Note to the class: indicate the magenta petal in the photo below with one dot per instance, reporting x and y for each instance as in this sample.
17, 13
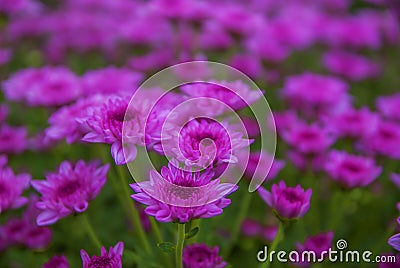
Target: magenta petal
47, 218
265, 195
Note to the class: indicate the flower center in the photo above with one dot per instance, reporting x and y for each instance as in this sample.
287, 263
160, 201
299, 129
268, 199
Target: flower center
291, 196
3, 189
69, 188
100, 262
353, 167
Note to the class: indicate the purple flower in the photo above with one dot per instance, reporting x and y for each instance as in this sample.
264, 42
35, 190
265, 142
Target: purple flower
24, 231
235, 94
11, 188
180, 196
304, 161
314, 93
69, 190
317, 244
110, 80
308, 139
389, 106
202, 256
105, 126
57, 262
258, 163
351, 170
394, 241
47, 86
349, 65
384, 140
353, 123
112, 259
5, 56
202, 142
287, 202
64, 123
13, 140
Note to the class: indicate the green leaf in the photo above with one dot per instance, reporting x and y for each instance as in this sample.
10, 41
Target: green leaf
192, 233
167, 247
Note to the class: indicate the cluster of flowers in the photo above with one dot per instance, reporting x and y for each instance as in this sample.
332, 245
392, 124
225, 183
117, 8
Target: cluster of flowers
325, 129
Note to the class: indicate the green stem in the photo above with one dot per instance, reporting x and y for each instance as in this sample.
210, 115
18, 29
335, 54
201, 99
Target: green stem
122, 191
278, 238
179, 245
90, 231
134, 214
245, 204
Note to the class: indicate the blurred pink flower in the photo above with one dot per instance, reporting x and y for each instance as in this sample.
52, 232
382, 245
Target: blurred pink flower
57, 262
11, 188
46, 86
69, 190
389, 106
13, 140
351, 170
110, 80
111, 259
352, 66
287, 202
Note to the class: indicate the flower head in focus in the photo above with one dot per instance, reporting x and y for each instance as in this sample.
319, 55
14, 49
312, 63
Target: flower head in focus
178, 195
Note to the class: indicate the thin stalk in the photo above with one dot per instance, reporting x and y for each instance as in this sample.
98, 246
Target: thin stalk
179, 245
134, 214
90, 231
275, 243
245, 204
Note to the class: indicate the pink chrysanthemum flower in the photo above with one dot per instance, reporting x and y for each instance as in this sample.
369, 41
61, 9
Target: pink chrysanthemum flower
125, 125
353, 123
317, 244
349, 65
287, 202
69, 190
24, 231
105, 126
258, 163
308, 139
202, 142
47, 86
350, 170
315, 94
202, 256
110, 80
13, 140
389, 106
110, 259
236, 95
180, 196
384, 140
64, 123
57, 262
11, 188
